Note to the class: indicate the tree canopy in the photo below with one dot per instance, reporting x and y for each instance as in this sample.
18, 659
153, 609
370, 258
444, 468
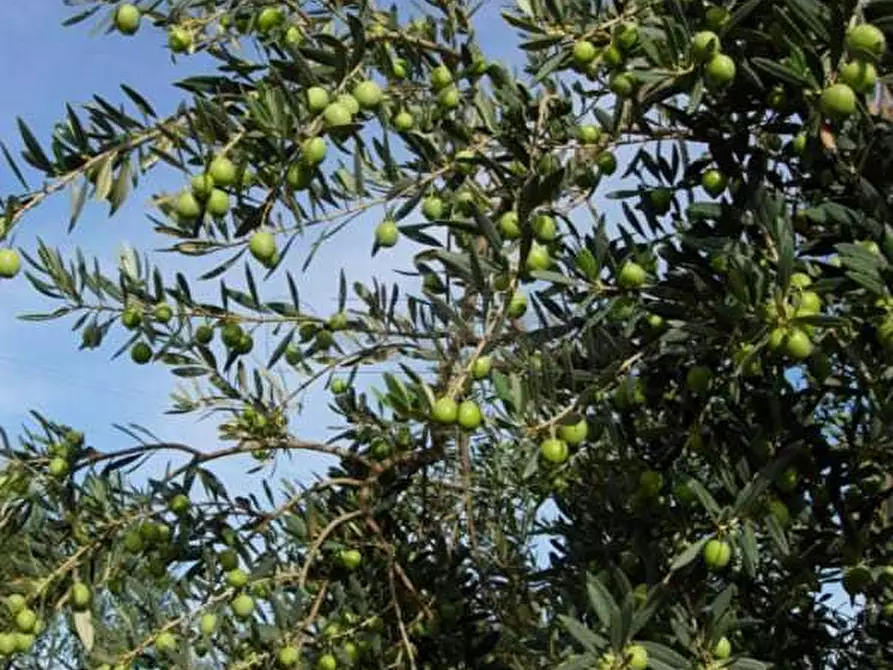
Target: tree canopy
649, 290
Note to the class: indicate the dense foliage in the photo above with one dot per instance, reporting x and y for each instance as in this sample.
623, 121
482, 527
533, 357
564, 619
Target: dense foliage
696, 376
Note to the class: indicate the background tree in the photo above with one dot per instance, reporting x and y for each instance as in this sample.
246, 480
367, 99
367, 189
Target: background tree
701, 388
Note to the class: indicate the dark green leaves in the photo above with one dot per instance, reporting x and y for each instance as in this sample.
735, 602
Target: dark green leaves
602, 602
589, 640
33, 153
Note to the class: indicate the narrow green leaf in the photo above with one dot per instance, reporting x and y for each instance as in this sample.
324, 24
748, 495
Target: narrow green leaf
78, 198
14, 167
747, 543
141, 103
781, 72
121, 187
663, 654
602, 602
590, 640
690, 553
34, 154
104, 178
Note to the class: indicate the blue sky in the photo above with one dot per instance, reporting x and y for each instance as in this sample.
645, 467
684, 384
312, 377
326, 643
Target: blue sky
46, 66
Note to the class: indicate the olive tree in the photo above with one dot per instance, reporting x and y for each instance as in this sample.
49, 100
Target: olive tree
648, 293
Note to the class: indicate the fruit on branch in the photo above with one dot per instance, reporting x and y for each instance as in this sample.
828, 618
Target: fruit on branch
288, 657
717, 17
294, 37
807, 303
231, 334
337, 114
544, 228
58, 467
368, 94
81, 596
660, 200
469, 415
449, 98
242, 606
350, 559
650, 483
717, 554
714, 182
481, 367
349, 102
719, 71
722, 649
838, 102
324, 339
179, 39
403, 121
222, 171
387, 233
202, 185
606, 163
24, 642
636, 657
589, 134
141, 353
866, 41
10, 263
127, 18
187, 207
465, 161
613, 57
237, 578
269, 18
180, 504
204, 333
228, 560
554, 451
15, 603
584, 52
299, 176
317, 99
433, 208
208, 623
399, 68
797, 344
632, 276
166, 643
509, 226
26, 620
517, 305
856, 579
622, 85
788, 480
441, 77
705, 45
445, 411
263, 246
313, 151
162, 312
626, 35
538, 258
574, 433
861, 76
